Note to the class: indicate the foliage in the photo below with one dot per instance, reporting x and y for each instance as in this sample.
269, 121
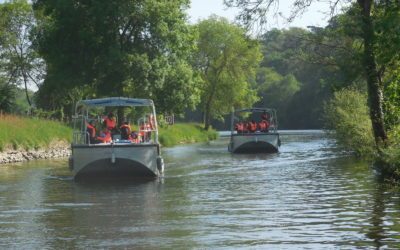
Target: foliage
369, 17
125, 48
7, 97
347, 114
391, 154
276, 91
302, 76
25, 133
227, 61
392, 98
19, 61
185, 133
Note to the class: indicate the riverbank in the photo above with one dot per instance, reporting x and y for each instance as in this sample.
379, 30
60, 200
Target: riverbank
25, 139
59, 150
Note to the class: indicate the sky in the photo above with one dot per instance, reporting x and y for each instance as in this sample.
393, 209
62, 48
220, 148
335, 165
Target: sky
317, 14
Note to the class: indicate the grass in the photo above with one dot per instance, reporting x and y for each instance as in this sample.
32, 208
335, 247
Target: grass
181, 133
30, 133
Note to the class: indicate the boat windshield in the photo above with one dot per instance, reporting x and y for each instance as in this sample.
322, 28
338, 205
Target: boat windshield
115, 120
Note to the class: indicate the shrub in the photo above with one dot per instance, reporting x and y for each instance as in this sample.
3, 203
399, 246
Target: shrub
347, 115
391, 154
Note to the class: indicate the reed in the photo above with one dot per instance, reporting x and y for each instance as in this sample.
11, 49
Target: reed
181, 133
30, 133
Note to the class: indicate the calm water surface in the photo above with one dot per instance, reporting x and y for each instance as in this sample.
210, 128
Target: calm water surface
309, 196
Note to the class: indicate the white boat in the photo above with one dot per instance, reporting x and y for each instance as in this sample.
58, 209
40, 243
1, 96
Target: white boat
260, 138
117, 158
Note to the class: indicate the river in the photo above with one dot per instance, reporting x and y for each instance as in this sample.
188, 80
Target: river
311, 195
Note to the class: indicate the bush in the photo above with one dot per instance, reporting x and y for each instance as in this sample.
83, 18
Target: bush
391, 154
347, 115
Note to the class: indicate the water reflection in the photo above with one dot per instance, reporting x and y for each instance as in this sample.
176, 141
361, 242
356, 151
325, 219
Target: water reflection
309, 196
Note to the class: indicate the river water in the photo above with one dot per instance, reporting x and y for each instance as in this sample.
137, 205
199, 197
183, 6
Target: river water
309, 196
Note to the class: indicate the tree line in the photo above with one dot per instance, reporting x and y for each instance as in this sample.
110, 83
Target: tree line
72, 50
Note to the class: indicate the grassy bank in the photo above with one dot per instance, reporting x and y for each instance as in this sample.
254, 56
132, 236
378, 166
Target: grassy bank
181, 133
25, 133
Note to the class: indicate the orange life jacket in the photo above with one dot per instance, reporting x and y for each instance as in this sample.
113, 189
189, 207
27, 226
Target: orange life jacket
252, 126
240, 127
109, 123
262, 125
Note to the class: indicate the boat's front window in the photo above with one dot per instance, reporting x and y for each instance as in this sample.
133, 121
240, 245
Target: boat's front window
254, 121
104, 125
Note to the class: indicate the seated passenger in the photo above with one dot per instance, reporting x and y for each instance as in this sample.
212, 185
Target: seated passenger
91, 132
105, 136
264, 116
109, 122
135, 137
252, 126
239, 127
125, 131
263, 126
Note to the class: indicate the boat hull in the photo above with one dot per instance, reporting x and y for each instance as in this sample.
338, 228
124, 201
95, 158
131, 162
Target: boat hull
254, 143
113, 160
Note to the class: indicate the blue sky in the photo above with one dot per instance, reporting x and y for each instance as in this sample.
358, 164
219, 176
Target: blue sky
317, 14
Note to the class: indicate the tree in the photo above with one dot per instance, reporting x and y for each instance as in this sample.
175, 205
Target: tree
256, 10
19, 62
227, 61
276, 91
117, 48
7, 96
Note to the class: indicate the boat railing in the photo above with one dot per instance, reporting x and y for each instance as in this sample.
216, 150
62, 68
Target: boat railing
270, 117
79, 137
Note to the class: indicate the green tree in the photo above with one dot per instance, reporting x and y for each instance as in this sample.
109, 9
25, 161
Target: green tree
117, 48
256, 10
227, 61
19, 62
7, 96
276, 91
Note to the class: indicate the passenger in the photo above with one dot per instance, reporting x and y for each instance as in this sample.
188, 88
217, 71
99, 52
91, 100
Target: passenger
264, 116
252, 126
151, 122
135, 137
109, 122
105, 136
263, 126
239, 127
125, 131
91, 132
246, 126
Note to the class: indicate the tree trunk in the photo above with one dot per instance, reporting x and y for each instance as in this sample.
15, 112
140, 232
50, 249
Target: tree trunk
375, 93
26, 90
207, 115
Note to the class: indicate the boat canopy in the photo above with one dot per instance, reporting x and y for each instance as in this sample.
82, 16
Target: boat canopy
115, 102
